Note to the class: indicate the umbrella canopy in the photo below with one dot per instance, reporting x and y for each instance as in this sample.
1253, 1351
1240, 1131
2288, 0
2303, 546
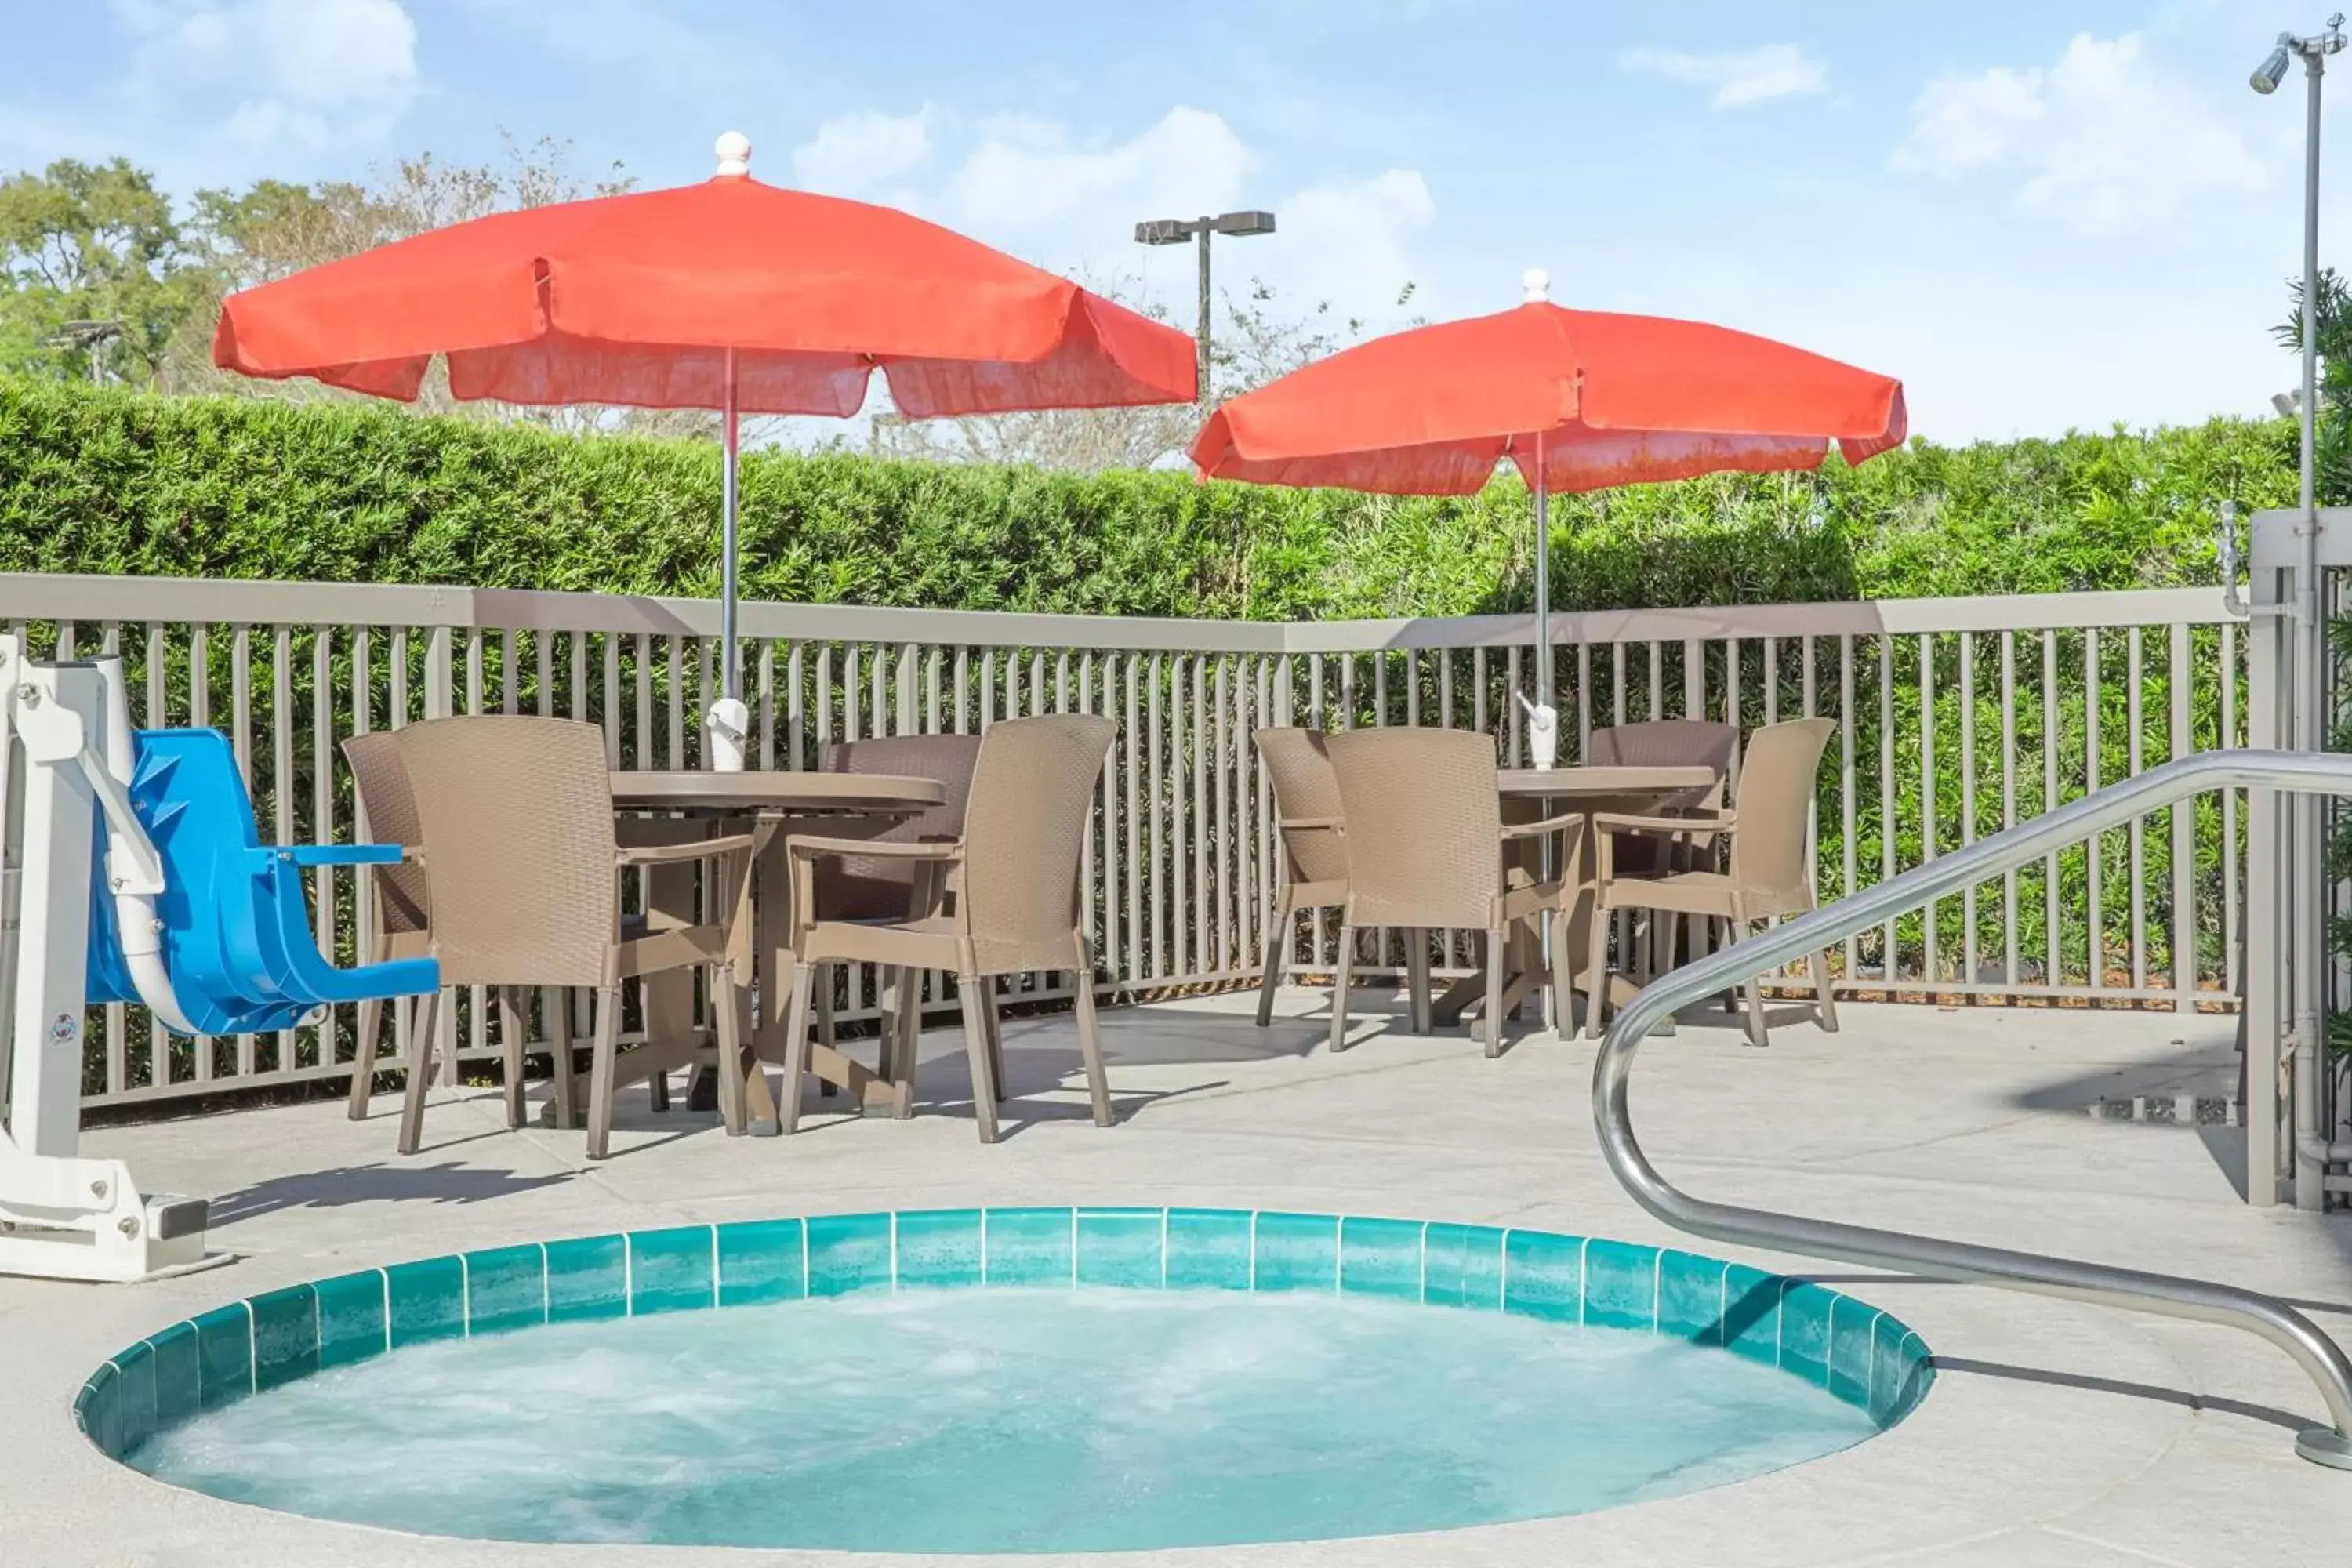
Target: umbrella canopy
729, 295
638, 299
1578, 400
1611, 399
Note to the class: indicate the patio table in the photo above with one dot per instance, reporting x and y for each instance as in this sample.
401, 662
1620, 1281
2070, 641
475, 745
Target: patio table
1528, 793
851, 806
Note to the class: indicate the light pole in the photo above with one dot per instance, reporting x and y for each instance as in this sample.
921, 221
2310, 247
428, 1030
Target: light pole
1176, 231
2306, 852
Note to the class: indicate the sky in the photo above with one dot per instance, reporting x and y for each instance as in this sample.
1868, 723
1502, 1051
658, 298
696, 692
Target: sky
2042, 214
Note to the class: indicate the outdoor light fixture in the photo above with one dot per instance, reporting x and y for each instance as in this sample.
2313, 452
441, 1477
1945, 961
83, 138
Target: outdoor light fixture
2306, 846
1177, 230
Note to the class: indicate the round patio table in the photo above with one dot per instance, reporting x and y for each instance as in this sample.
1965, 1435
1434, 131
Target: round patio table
851, 806
1530, 792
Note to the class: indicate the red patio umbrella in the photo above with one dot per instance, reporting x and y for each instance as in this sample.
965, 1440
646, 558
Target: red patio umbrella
730, 295
1578, 400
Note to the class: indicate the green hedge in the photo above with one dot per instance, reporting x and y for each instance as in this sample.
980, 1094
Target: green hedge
121, 482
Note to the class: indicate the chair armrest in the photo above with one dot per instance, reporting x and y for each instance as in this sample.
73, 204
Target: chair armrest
694, 849
1720, 822
1549, 824
338, 854
804, 847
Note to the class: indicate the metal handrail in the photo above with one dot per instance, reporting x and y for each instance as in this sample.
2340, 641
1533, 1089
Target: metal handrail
2202, 1300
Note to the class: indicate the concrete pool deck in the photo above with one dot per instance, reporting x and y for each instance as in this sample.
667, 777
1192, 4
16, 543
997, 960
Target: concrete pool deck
2057, 1434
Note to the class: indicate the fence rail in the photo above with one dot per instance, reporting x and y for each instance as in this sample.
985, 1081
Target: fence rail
1955, 718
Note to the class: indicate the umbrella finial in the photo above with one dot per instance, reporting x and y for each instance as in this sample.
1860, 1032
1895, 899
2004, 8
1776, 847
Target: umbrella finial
1534, 284
734, 150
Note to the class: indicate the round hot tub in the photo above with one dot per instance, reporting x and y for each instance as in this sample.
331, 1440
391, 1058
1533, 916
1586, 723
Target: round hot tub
1005, 1379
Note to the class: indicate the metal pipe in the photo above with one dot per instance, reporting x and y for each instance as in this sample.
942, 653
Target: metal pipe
2322, 1360
2306, 852
1544, 690
1201, 325
731, 664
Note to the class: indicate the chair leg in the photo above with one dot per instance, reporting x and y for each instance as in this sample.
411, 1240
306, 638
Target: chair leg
1563, 972
724, 1021
1090, 1038
1340, 974
1498, 958
1277, 951
905, 1041
806, 978
1596, 976
512, 1032
567, 1097
600, 1066
1824, 994
825, 1028
995, 1033
1416, 981
972, 991
420, 1073
371, 1020
1721, 935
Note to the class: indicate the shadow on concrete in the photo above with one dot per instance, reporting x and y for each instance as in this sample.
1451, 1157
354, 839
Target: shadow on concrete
2268, 1414
448, 1183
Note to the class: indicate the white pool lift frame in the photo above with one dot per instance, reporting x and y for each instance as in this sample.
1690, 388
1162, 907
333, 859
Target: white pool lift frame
65, 759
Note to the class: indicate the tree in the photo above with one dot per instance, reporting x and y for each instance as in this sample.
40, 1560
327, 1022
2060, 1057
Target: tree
2332, 431
90, 242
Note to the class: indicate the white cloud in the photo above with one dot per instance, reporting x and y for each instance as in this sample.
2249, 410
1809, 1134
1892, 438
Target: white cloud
1351, 242
317, 71
860, 154
1740, 80
2106, 140
1028, 174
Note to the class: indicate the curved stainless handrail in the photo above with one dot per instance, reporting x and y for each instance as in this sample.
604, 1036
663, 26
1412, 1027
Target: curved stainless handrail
2319, 1356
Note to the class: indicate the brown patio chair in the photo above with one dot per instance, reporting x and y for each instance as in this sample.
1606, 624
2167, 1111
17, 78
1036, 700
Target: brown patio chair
1001, 900
1667, 744
878, 888
1427, 849
524, 875
1768, 873
1312, 869
397, 914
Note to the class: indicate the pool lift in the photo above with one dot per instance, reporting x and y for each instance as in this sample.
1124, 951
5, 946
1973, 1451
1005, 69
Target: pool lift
192, 918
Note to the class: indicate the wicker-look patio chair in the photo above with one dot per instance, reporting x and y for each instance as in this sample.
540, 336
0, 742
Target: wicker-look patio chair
880, 888
1312, 869
1002, 899
1667, 742
1768, 875
524, 877
1427, 849
398, 913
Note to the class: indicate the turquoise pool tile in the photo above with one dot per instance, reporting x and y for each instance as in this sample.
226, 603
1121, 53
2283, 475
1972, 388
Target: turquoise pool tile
761, 1261
1298, 1252
224, 1354
350, 1317
1462, 1266
1543, 1275
1208, 1249
428, 1300
284, 1336
135, 1372
1620, 1285
1887, 1369
1805, 1330
506, 1288
671, 1270
1120, 1247
1690, 1296
179, 1375
1852, 1325
1917, 1374
1380, 1258
1751, 1314
1028, 1247
938, 1248
848, 1252
98, 1411
587, 1277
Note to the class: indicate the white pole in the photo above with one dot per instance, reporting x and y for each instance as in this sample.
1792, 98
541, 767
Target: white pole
1543, 719
728, 722
2308, 847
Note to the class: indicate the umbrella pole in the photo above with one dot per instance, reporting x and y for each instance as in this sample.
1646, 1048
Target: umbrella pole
1543, 581
729, 721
